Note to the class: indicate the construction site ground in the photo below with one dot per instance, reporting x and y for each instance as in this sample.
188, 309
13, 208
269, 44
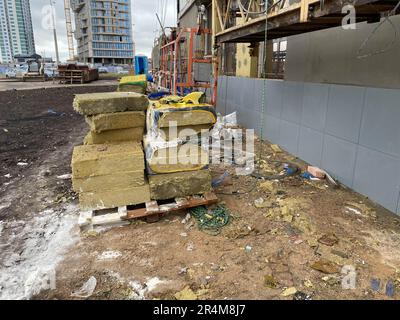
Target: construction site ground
279, 235
18, 84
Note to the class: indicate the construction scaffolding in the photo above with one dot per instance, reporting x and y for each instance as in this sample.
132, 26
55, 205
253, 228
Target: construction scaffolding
244, 20
185, 65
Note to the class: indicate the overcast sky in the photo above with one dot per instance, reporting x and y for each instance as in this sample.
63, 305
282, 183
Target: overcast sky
143, 15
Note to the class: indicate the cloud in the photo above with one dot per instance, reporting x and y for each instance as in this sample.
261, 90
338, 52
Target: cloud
146, 27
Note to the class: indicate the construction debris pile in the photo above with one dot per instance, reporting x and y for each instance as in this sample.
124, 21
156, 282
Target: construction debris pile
109, 169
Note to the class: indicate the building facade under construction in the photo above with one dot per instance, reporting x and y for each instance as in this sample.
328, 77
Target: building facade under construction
103, 31
16, 32
317, 77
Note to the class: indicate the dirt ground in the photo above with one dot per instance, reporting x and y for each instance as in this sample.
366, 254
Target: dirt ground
284, 234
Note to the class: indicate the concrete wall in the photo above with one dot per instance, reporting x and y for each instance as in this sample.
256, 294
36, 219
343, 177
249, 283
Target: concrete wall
352, 132
330, 56
188, 18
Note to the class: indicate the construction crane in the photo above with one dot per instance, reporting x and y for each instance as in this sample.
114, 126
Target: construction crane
68, 21
54, 31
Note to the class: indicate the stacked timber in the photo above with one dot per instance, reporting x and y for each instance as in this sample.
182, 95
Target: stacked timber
177, 165
108, 170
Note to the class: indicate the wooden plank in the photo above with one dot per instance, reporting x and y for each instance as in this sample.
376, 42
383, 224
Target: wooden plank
221, 24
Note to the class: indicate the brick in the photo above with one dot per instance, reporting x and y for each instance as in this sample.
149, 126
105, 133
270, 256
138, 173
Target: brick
109, 102
114, 136
97, 160
119, 180
114, 198
180, 184
118, 120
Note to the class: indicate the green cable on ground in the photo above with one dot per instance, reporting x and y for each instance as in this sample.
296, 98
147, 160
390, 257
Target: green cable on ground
212, 220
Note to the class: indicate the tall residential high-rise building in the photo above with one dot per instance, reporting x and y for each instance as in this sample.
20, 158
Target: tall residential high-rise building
16, 32
103, 31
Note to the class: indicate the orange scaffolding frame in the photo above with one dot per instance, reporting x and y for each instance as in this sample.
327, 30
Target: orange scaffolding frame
179, 54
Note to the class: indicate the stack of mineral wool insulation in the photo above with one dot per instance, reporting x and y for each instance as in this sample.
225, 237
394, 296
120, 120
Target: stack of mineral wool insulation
113, 116
108, 170
136, 84
177, 165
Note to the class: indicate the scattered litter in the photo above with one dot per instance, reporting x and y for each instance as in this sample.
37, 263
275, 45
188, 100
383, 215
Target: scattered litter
186, 219
289, 292
312, 243
316, 172
108, 255
260, 203
213, 219
183, 270
270, 282
186, 294
355, 211
5, 130
22, 164
51, 111
375, 284
308, 283
276, 148
65, 176
341, 254
288, 169
87, 289
7, 175
301, 296
328, 239
307, 175
389, 288
139, 290
296, 240
325, 266
190, 246
267, 186
248, 248
183, 234
216, 182
331, 280
330, 179
359, 209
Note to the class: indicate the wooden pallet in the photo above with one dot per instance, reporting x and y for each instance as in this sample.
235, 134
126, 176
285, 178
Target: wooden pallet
97, 218
151, 211
157, 208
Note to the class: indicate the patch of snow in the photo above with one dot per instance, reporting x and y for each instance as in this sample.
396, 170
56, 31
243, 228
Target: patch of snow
108, 255
34, 249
